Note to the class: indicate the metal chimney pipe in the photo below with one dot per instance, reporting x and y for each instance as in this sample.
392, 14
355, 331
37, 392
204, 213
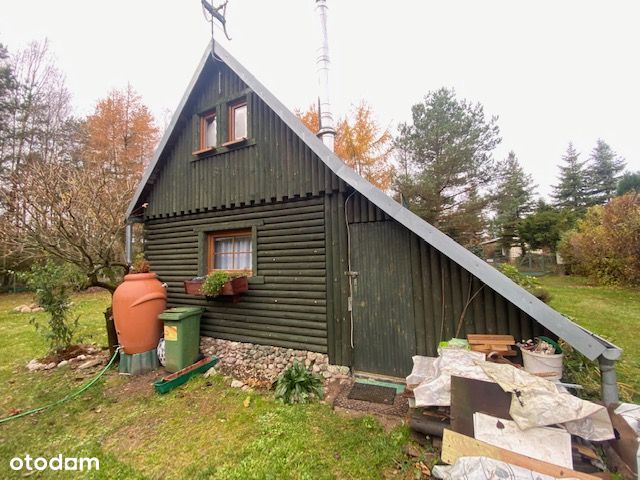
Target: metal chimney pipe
327, 130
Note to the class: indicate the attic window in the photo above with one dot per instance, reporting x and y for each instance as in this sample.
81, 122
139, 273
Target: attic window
208, 131
238, 121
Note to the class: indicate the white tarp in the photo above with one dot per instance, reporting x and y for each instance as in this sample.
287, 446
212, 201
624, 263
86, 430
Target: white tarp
435, 389
552, 445
536, 402
631, 413
484, 468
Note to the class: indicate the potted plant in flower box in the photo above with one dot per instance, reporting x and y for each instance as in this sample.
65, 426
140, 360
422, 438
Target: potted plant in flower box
218, 283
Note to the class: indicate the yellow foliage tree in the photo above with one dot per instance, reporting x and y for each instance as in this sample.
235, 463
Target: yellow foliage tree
360, 142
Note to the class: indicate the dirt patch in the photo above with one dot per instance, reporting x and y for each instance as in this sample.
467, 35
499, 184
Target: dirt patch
68, 353
135, 385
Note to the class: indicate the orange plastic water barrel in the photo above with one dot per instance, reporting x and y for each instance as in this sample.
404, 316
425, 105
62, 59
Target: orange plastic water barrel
137, 302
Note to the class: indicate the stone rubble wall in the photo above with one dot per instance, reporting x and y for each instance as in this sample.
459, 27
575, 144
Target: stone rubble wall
247, 361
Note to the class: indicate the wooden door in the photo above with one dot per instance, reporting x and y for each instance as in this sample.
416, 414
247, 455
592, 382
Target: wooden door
383, 313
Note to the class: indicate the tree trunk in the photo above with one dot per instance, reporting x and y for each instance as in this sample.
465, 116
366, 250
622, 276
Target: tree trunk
112, 336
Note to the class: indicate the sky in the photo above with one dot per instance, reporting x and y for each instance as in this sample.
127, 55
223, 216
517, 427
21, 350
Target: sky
552, 71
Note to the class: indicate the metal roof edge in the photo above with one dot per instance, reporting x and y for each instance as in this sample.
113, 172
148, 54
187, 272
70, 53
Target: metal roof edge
584, 341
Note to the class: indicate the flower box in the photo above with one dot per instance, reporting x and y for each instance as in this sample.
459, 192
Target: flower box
193, 286
233, 287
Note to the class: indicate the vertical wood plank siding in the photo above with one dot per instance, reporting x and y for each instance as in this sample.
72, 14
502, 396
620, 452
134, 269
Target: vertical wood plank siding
289, 308
446, 298
276, 167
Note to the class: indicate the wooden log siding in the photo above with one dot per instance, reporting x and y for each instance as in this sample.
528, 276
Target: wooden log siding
287, 300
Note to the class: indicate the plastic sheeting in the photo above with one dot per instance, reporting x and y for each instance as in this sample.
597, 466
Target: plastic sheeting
537, 402
483, 468
435, 388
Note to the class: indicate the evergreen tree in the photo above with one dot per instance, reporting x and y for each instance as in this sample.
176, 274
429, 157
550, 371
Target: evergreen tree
446, 163
629, 182
571, 192
514, 200
603, 173
545, 226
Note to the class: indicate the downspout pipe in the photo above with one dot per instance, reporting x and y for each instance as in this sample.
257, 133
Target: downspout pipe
608, 381
327, 130
128, 243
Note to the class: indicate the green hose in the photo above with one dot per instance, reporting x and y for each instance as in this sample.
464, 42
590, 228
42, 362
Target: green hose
68, 397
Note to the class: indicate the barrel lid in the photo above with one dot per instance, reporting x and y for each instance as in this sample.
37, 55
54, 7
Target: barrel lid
180, 313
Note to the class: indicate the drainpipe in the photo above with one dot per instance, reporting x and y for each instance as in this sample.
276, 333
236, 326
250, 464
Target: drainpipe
608, 382
128, 243
327, 131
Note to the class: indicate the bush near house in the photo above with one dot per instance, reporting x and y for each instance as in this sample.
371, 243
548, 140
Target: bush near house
605, 246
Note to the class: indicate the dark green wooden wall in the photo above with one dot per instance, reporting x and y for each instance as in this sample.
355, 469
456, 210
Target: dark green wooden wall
274, 164
286, 303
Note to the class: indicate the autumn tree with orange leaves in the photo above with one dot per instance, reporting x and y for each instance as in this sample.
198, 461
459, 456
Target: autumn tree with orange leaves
121, 134
360, 142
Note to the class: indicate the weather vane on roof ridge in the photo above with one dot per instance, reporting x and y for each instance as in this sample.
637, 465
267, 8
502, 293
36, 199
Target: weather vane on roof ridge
218, 13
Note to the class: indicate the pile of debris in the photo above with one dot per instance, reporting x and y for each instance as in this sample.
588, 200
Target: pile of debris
32, 308
495, 417
82, 357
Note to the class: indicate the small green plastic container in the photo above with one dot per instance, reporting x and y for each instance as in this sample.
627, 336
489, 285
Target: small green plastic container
181, 336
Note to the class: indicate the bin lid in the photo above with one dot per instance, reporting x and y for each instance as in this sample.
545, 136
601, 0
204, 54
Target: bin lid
180, 313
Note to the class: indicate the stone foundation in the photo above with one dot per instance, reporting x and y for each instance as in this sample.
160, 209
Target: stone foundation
247, 361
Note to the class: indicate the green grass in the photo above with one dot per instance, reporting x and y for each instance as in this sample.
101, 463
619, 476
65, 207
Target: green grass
611, 312
202, 430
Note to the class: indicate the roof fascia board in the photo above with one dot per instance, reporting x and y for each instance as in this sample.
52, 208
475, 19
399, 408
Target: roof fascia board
168, 132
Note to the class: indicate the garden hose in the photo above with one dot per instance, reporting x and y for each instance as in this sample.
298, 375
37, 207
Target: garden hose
68, 397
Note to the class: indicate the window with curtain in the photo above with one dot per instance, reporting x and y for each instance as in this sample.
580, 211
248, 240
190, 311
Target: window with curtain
230, 251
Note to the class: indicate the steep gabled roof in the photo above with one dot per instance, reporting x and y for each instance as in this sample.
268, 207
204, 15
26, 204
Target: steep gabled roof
589, 344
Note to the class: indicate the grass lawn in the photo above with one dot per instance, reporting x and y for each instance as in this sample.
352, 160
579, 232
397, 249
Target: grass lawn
611, 312
202, 430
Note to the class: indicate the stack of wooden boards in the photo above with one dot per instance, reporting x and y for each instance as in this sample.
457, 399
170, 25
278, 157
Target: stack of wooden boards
492, 343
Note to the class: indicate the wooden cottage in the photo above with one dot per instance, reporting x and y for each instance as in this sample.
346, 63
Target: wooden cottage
238, 182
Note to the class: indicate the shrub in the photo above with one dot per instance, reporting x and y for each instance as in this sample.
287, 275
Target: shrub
528, 282
605, 246
298, 385
52, 282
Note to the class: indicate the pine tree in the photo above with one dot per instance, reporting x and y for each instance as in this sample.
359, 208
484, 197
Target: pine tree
514, 200
603, 173
571, 192
446, 162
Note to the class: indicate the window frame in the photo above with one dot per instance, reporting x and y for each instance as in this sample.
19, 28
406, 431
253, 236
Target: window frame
231, 120
211, 239
202, 231
203, 131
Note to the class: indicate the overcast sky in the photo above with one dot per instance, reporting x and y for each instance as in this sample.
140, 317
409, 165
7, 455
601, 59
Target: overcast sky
553, 71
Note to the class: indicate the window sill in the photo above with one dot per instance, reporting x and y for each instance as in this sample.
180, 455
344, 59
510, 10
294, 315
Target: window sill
222, 149
204, 150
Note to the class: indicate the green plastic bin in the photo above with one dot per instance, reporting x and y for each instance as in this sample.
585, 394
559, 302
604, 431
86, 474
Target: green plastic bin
181, 336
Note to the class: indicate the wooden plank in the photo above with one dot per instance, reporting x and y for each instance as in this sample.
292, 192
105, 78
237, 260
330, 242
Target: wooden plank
455, 445
474, 338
